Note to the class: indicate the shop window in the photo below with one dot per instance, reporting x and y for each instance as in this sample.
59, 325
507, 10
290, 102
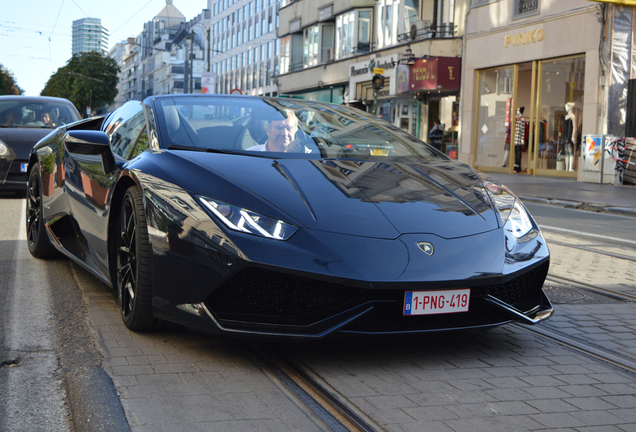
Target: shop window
525, 8
560, 115
493, 117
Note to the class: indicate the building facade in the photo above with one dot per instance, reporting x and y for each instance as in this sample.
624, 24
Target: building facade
543, 81
531, 85
89, 34
126, 55
165, 58
244, 51
330, 51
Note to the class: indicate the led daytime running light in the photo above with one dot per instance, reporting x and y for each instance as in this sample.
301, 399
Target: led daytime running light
246, 221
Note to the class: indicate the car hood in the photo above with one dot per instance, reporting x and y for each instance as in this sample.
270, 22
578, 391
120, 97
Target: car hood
22, 140
367, 198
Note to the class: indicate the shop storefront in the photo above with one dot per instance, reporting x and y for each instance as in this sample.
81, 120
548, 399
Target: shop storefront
435, 83
531, 93
402, 110
414, 95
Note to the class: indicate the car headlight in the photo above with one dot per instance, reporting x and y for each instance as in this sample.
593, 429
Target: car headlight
4, 150
518, 222
513, 214
243, 220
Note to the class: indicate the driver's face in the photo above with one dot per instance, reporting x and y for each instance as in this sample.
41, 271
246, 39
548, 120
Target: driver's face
280, 134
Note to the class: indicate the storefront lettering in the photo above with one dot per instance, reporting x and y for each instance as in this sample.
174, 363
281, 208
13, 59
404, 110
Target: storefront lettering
450, 73
362, 71
524, 38
424, 73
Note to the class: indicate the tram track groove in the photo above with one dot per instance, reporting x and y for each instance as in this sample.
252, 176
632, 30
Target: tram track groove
584, 348
319, 398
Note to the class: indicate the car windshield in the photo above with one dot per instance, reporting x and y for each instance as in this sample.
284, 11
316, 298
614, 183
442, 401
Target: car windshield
277, 127
47, 115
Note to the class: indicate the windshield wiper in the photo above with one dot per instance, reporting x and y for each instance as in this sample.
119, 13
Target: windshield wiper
208, 149
180, 147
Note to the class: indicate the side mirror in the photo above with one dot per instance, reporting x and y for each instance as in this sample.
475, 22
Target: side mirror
91, 147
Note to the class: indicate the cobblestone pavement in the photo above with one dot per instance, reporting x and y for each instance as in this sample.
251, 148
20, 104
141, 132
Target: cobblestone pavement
504, 379
175, 380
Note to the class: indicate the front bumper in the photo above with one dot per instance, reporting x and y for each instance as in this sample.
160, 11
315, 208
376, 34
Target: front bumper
263, 303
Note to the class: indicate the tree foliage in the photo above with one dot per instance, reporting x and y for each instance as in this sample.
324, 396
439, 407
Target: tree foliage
8, 85
88, 79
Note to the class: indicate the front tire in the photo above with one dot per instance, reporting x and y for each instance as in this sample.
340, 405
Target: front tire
133, 263
37, 238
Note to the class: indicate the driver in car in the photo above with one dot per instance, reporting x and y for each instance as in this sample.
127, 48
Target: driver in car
280, 135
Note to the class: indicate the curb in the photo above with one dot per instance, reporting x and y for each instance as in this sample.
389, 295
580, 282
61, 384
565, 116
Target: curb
94, 403
578, 205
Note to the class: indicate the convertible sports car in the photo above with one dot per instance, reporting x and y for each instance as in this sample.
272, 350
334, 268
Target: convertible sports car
23, 122
282, 218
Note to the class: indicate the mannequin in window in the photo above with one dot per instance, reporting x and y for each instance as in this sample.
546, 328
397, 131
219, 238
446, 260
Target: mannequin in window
520, 138
569, 135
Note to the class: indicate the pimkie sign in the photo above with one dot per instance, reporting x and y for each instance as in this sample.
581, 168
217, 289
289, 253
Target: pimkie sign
431, 73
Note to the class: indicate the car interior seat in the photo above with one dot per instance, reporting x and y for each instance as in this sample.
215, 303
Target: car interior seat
179, 130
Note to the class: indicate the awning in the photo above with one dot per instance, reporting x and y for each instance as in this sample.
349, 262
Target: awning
430, 73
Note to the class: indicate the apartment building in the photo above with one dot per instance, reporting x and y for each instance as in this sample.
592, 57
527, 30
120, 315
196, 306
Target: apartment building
244, 51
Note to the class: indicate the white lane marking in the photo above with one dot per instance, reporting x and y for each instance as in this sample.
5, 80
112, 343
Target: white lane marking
22, 223
584, 234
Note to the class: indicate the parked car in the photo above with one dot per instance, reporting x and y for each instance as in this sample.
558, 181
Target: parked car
23, 122
282, 218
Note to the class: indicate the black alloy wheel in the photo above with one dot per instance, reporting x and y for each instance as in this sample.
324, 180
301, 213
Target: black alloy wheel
133, 263
37, 237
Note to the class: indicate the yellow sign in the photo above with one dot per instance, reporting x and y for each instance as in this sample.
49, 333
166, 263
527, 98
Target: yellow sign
524, 38
378, 71
618, 2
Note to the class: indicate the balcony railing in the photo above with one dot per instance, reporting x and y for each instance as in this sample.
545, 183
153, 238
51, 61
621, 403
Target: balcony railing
526, 6
428, 32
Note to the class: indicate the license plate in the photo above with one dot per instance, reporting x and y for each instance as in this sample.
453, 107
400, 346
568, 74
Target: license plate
379, 152
23, 167
436, 302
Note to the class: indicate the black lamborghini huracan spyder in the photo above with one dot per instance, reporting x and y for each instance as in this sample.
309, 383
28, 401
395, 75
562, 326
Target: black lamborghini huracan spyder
282, 218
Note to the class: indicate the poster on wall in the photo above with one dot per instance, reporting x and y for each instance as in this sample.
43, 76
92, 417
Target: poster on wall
591, 153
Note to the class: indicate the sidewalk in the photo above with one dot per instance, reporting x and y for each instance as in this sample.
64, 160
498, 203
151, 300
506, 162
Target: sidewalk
570, 193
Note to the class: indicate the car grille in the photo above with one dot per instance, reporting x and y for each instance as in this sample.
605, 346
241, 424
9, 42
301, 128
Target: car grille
14, 175
266, 297
521, 292
17, 178
255, 295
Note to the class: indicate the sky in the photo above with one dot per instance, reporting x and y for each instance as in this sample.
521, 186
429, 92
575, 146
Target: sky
36, 35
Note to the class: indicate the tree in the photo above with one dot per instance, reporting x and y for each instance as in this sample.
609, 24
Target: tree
88, 79
8, 85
